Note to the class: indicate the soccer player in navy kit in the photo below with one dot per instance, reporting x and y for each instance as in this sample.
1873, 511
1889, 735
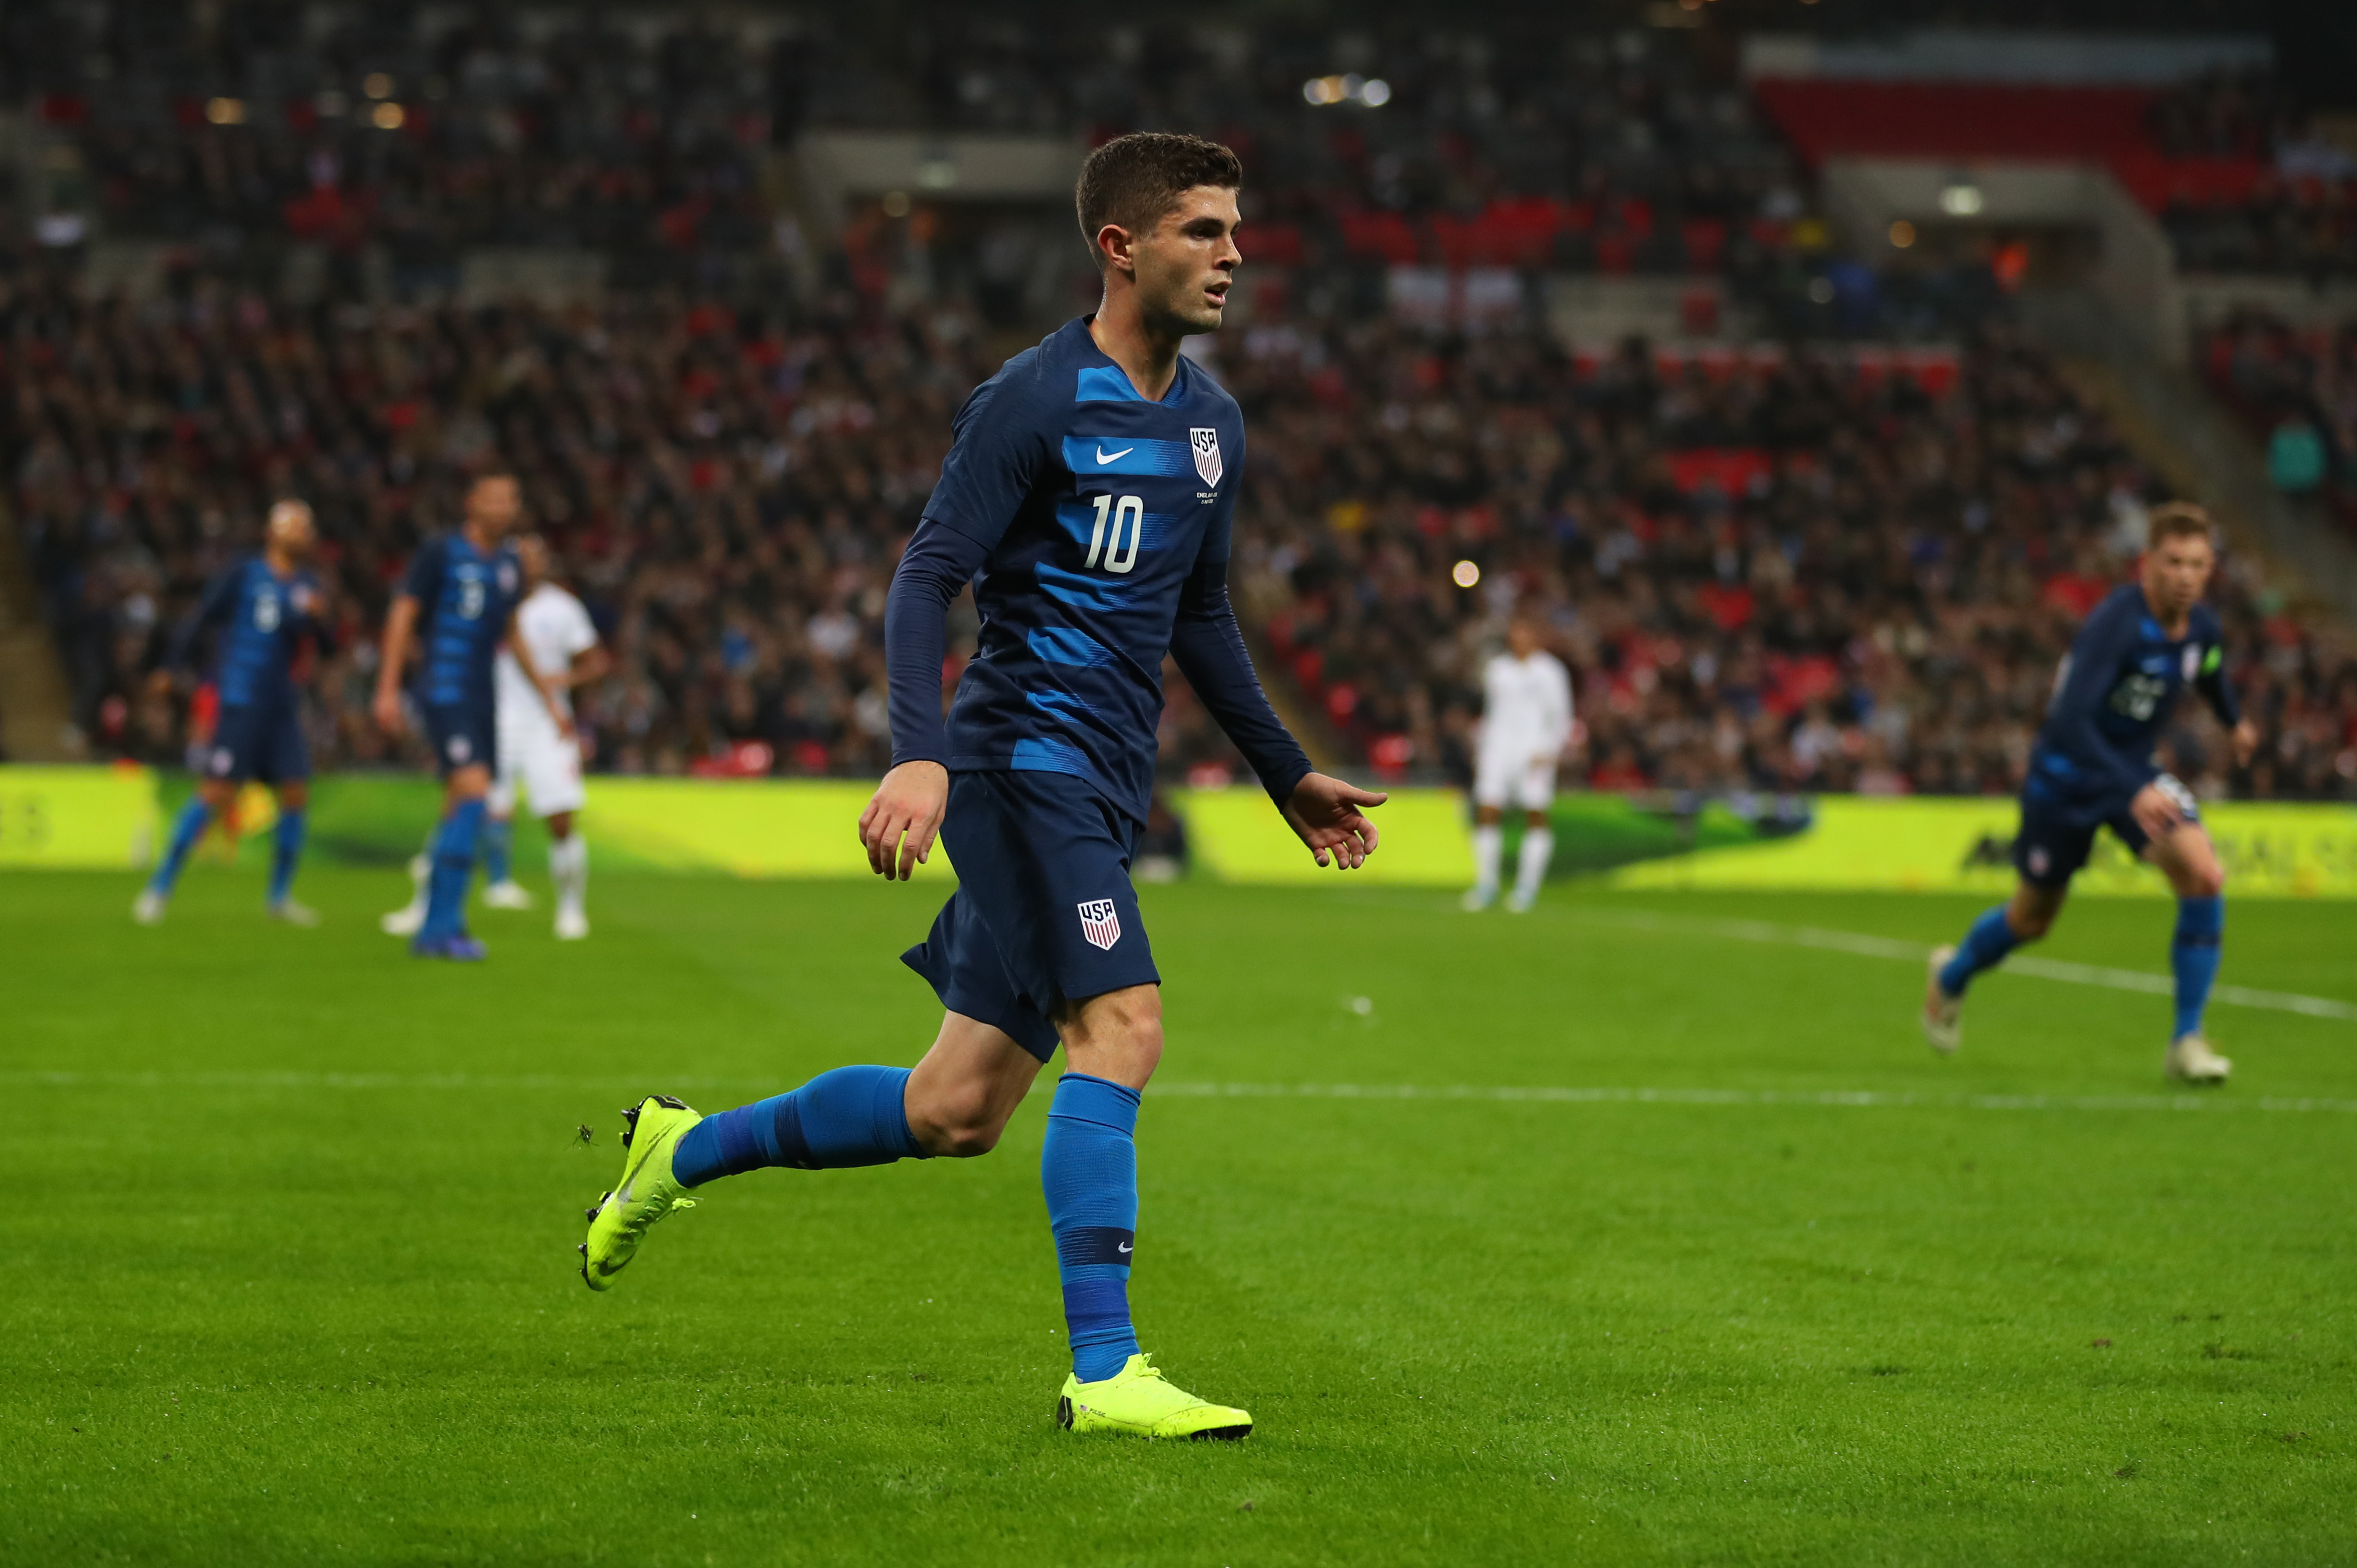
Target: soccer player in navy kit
2093, 769
465, 585
1088, 496
261, 610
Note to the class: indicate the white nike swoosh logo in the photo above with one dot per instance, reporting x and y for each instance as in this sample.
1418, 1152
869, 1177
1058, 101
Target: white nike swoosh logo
1103, 458
1123, 1247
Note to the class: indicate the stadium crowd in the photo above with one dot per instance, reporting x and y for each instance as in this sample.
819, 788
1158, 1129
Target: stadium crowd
2287, 201
384, 137
1770, 572
2297, 391
1824, 571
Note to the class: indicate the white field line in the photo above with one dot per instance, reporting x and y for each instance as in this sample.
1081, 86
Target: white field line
1870, 1098
1846, 1099
1867, 946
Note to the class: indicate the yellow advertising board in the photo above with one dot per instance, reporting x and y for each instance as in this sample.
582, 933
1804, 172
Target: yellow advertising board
1857, 843
1236, 835
802, 827
77, 817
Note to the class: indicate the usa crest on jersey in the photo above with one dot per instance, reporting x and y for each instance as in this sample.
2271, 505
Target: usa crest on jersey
1207, 454
1098, 923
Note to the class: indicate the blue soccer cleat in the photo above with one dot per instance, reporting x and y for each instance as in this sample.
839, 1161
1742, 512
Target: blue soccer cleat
458, 948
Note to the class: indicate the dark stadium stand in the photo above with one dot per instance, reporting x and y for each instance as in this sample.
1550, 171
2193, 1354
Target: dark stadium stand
1790, 564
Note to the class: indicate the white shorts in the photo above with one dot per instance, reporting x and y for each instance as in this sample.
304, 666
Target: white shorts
1511, 777
547, 765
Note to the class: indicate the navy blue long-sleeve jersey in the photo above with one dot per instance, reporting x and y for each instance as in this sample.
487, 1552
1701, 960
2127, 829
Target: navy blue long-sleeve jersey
261, 620
465, 599
2116, 689
1095, 527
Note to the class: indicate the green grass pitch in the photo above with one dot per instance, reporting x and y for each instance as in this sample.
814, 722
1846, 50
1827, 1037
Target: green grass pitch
289, 1225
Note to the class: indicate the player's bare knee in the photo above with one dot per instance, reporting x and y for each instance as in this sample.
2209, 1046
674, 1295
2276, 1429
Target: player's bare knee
957, 1123
1117, 1036
2207, 881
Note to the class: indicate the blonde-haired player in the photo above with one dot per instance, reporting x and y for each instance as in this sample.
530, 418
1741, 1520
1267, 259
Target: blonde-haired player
1526, 724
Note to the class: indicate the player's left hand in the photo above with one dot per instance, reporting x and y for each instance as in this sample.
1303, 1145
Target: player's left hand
1327, 813
2247, 743
2155, 812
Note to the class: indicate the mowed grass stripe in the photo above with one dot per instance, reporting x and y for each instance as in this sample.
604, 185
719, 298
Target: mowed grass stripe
1866, 945
293, 1274
1598, 1094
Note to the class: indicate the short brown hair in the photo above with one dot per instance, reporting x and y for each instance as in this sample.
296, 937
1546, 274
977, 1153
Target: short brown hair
1135, 180
2181, 520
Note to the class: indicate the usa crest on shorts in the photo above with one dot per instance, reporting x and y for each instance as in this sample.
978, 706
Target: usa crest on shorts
1207, 454
1099, 924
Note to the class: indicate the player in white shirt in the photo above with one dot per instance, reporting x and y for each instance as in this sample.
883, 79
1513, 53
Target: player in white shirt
538, 748
1525, 725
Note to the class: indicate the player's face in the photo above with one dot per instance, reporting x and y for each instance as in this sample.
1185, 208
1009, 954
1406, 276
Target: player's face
1187, 261
2177, 571
1522, 639
291, 530
532, 554
494, 504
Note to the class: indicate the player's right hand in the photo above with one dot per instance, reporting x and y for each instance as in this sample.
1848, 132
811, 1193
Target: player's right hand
903, 818
388, 711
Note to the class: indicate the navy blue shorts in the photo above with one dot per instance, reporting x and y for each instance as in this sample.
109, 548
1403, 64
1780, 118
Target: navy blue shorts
464, 735
259, 740
1044, 913
2058, 830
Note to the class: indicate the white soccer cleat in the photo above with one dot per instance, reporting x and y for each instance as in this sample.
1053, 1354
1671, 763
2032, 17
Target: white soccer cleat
2192, 1060
1477, 900
1944, 1023
1520, 903
295, 914
508, 895
150, 907
571, 925
404, 922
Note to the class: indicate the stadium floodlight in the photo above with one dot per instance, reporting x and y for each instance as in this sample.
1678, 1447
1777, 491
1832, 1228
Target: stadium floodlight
1376, 93
1320, 90
226, 111
387, 116
1465, 574
1961, 198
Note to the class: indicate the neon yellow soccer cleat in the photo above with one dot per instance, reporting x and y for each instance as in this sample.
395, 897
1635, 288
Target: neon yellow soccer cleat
1137, 1401
618, 1221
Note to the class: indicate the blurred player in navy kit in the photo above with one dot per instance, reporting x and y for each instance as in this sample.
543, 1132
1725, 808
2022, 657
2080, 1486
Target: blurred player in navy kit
2093, 769
261, 613
462, 590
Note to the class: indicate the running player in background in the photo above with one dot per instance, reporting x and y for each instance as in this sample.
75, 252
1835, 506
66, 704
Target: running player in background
2092, 768
1088, 496
555, 630
460, 601
1525, 725
262, 610
540, 748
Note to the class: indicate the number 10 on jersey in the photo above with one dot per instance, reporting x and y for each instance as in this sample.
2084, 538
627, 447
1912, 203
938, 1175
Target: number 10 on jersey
1129, 512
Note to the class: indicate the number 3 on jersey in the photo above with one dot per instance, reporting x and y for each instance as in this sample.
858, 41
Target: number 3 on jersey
1129, 512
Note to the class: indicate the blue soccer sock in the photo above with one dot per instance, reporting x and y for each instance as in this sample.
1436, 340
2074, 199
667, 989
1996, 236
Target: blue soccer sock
499, 849
2194, 955
285, 850
454, 868
1984, 947
186, 829
1088, 1168
851, 1116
